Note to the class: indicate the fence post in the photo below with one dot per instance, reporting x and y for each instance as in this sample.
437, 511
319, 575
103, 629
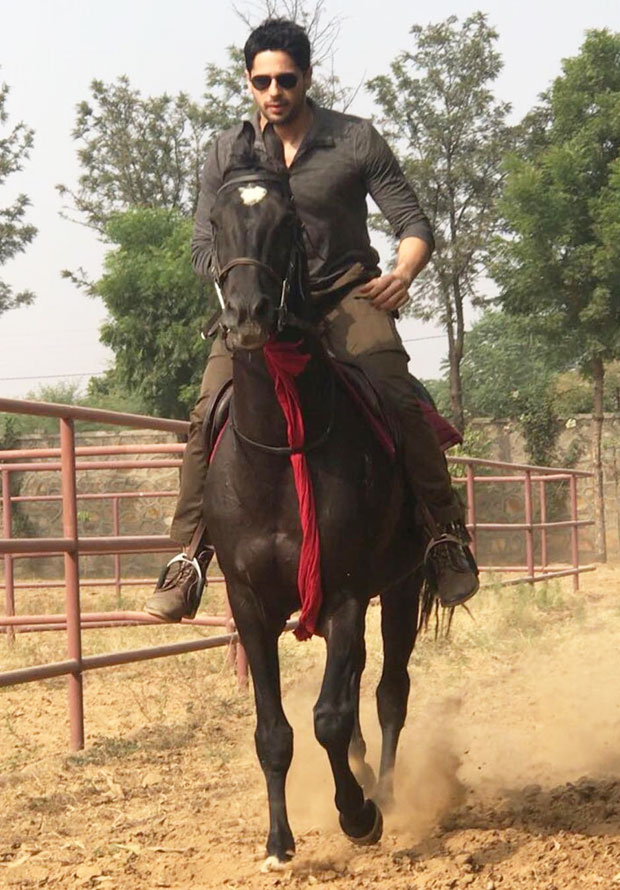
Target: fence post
574, 531
231, 658
9, 575
529, 520
471, 507
72, 581
543, 527
116, 528
236, 653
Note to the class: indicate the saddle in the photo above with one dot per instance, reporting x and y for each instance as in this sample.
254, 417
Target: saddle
381, 416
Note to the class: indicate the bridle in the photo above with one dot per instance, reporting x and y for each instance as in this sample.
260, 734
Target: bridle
284, 315
284, 283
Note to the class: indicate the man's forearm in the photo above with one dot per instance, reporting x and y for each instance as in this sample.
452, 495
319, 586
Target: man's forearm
413, 255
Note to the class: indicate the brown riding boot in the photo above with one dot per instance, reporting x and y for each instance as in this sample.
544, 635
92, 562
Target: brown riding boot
179, 588
450, 566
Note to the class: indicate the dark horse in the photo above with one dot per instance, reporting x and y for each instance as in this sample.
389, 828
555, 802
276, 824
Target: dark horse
368, 544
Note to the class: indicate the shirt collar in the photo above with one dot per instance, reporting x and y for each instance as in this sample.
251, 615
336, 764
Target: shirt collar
319, 134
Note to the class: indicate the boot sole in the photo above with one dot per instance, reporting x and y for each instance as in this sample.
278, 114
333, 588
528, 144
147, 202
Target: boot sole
169, 618
459, 601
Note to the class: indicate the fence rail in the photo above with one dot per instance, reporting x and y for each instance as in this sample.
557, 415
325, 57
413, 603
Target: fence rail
71, 545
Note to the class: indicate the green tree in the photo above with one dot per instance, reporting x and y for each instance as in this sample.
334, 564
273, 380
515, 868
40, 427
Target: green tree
156, 309
560, 259
15, 232
141, 160
509, 370
438, 110
136, 151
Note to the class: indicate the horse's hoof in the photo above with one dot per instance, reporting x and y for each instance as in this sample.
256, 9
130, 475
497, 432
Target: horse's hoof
372, 826
272, 863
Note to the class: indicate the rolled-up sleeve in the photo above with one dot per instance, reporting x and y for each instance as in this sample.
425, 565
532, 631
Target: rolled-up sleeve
202, 240
389, 188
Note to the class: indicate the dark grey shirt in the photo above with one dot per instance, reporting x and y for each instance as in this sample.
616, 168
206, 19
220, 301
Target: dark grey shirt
341, 160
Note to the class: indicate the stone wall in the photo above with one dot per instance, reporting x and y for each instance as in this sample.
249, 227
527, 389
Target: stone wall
138, 516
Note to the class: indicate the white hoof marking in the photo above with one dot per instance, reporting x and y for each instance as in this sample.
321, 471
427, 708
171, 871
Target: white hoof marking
272, 863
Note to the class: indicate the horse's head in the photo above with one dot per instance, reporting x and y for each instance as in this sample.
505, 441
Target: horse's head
257, 249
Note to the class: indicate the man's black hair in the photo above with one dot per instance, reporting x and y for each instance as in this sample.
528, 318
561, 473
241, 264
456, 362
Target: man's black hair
279, 35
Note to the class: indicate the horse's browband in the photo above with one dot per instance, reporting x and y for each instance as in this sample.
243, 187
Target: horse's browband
254, 177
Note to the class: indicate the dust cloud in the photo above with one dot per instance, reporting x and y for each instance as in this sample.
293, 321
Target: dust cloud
548, 719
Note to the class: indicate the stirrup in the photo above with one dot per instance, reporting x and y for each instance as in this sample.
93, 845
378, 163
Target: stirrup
184, 558
444, 538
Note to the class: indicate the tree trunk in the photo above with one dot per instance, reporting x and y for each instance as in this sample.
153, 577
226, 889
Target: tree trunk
456, 391
600, 539
456, 338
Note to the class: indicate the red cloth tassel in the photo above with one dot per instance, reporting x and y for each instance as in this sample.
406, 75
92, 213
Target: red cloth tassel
284, 363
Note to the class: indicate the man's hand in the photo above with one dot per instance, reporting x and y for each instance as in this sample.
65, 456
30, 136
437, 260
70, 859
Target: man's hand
389, 292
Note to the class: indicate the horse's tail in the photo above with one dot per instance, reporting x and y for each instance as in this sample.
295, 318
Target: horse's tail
429, 603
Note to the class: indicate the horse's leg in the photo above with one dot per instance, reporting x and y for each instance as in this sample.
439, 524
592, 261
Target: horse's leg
273, 736
334, 718
362, 770
399, 618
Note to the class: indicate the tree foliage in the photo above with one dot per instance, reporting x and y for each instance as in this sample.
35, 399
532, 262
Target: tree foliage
509, 371
136, 151
15, 232
438, 109
156, 307
561, 205
560, 258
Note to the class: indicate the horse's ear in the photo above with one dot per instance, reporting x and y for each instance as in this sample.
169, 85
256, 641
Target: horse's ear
242, 153
274, 148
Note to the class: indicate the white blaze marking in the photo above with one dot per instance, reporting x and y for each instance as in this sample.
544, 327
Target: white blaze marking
252, 194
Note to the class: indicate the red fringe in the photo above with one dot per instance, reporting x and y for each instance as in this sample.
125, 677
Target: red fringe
284, 363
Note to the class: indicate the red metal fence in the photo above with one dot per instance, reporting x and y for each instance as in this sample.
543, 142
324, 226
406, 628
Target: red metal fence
535, 528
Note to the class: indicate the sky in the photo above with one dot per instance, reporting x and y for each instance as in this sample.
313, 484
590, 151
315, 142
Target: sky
50, 50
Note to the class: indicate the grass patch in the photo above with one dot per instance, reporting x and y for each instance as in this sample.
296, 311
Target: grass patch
50, 804
104, 750
167, 738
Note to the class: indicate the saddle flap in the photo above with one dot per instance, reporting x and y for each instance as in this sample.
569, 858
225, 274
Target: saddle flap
383, 417
215, 418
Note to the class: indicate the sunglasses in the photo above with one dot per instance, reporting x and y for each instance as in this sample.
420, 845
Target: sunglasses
287, 80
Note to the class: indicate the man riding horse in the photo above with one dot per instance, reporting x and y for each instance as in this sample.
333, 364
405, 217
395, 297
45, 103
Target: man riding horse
334, 161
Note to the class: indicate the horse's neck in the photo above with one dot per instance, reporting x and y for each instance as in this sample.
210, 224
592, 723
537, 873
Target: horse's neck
257, 412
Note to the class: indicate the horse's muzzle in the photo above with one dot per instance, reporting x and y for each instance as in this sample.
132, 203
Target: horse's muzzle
250, 335
249, 323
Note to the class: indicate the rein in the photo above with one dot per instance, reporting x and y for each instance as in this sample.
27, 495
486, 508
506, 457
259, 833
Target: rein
288, 450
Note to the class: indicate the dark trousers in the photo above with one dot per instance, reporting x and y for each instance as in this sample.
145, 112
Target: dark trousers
359, 333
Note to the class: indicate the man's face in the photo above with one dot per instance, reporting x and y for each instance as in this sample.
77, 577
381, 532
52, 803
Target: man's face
277, 103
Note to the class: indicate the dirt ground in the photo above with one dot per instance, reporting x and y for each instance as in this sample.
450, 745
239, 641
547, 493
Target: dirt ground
508, 776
